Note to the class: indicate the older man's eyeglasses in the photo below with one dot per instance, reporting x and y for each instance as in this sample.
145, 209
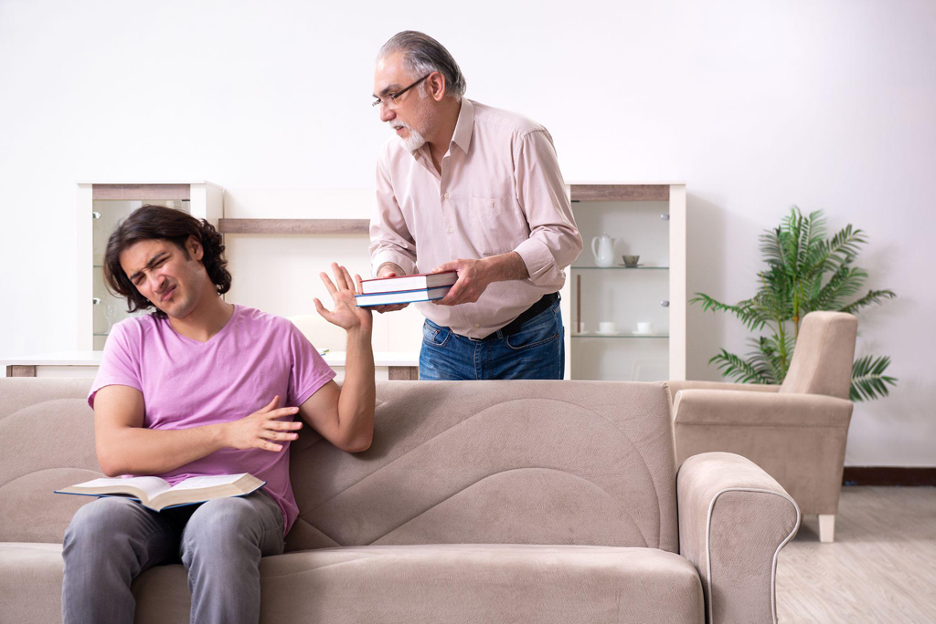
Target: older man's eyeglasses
391, 99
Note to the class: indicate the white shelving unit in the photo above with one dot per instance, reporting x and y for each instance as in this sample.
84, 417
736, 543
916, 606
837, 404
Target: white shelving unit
100, 206
648, 220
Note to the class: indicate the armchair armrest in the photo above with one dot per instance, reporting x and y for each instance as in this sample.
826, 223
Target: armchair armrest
733, 520
675, 387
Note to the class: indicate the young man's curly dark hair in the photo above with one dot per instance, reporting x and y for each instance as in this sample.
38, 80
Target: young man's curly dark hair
161, 223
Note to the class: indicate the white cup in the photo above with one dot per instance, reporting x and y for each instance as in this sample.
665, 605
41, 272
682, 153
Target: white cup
644, 328
580, 327
607, 327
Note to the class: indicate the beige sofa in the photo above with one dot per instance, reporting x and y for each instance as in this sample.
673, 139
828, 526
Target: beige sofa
796, 432
505, 501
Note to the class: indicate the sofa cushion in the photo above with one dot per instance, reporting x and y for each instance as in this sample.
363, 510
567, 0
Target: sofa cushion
409, 584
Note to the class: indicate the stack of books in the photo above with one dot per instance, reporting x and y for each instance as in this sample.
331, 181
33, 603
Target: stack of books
405, 289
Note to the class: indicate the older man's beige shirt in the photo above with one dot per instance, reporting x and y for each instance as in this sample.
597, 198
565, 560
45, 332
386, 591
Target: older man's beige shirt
500, 190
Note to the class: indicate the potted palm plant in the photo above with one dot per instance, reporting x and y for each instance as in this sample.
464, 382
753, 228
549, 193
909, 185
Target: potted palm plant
805, 272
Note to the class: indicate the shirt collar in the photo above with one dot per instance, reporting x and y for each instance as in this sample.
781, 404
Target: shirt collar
464, 126
463, 129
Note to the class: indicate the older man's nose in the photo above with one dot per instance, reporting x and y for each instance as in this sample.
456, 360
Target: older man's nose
386, 114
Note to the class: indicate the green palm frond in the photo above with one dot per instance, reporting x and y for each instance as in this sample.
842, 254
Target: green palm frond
868, 379
873, 297
738, 369
764, 359
845, 282
810, 235
744, 310
843, 245
772, 355
772, 248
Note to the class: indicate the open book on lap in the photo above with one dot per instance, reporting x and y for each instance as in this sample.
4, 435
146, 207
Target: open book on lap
156, 494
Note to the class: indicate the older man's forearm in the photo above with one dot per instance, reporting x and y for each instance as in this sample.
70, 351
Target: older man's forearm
505, 267
393, 267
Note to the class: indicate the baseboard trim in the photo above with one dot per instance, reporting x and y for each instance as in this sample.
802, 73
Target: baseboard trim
889, 475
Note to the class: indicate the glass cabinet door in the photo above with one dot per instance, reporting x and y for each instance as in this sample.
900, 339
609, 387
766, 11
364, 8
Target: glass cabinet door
621, 287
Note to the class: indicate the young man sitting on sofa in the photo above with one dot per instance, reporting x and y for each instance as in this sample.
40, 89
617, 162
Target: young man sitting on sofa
203, 387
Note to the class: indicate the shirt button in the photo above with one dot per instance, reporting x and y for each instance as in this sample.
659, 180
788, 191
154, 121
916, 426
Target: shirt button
477, 326
451, 230
446, 195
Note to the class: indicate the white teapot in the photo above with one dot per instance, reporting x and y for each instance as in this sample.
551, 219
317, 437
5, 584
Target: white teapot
603, 248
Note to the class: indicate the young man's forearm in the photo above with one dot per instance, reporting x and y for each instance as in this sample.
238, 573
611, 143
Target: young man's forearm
140, 451
358, 393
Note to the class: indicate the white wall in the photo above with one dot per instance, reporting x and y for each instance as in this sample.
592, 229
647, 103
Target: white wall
756, 105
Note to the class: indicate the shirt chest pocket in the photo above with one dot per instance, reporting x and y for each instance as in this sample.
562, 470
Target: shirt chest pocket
497, 225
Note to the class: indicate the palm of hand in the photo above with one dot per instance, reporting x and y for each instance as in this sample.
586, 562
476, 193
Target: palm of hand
345, 313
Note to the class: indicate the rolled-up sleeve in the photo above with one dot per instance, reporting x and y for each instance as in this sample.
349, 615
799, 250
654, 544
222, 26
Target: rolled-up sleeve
390, 238
554, 240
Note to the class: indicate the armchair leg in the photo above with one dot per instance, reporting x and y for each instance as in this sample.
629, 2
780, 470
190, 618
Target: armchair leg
827, 528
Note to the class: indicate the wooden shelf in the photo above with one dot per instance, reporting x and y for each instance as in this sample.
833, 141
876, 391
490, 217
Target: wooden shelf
620, 192
293, 226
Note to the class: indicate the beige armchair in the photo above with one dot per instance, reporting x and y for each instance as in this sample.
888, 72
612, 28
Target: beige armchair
795, 432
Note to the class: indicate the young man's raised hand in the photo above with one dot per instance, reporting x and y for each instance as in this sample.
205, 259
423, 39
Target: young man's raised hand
345, 313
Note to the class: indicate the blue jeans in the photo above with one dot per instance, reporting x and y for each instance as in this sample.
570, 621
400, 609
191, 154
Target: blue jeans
536, 351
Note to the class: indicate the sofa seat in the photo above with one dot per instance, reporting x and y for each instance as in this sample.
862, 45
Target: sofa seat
422, 583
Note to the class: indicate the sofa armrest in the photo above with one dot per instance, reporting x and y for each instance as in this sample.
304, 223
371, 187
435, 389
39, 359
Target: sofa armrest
733, 520
675, 387
721, 407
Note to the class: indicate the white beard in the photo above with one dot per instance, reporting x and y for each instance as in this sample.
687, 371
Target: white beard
412, 142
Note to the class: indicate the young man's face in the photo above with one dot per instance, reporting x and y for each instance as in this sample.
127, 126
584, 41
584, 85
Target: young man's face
160, 272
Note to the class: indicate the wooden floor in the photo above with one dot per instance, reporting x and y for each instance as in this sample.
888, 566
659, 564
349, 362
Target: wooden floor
881, 568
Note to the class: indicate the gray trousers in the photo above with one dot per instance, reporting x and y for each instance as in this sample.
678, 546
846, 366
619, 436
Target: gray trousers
112, 540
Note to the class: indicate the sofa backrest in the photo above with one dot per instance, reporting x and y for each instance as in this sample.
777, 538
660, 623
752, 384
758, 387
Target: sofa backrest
822, 360
528, 462
46, 443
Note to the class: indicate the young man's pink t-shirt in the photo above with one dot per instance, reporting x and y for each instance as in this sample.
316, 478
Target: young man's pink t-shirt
186, 383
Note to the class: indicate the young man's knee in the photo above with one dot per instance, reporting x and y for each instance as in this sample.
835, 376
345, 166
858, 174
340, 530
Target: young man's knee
221, 520
98, 526
106, 516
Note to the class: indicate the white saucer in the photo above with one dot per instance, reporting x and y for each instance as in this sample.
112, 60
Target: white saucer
614, 333
581, 333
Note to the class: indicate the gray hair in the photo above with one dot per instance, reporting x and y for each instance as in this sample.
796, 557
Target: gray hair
422, 55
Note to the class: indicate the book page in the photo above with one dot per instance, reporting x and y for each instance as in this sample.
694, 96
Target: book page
208, 481
151, 486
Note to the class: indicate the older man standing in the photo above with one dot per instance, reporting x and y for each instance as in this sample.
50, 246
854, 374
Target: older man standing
477, 190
